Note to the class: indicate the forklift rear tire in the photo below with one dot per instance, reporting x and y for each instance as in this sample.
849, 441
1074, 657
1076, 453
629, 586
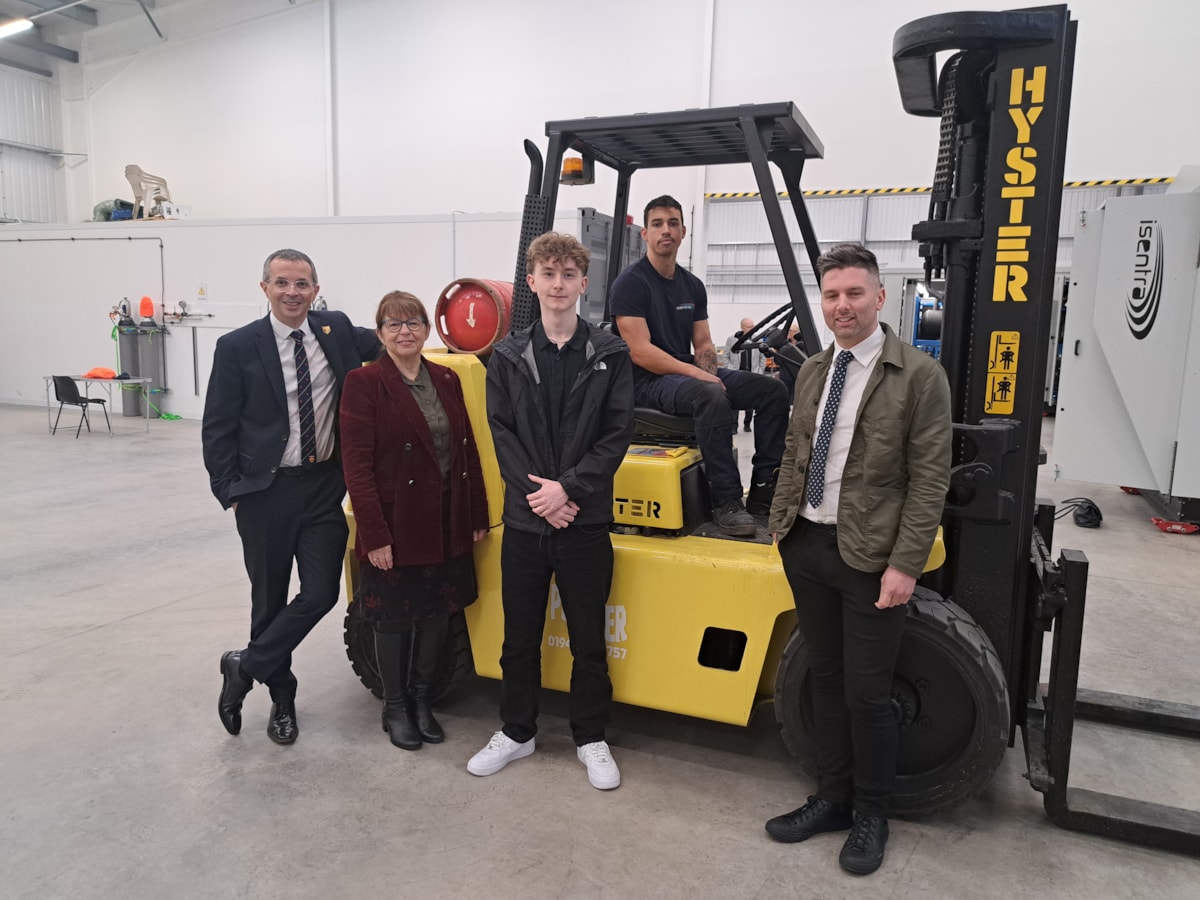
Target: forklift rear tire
951, 701
456, 657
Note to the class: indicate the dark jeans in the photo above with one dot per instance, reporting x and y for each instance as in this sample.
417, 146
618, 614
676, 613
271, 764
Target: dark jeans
580, 557
853, 648
714, 412
299, 518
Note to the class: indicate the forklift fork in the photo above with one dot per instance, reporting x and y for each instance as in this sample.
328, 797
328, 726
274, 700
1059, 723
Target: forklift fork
1054, 706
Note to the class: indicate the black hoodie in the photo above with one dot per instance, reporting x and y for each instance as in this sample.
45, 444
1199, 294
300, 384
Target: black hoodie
596, 427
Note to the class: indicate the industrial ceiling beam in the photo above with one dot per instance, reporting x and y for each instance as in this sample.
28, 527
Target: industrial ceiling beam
33, 42
146, 9
24, 67
85, 14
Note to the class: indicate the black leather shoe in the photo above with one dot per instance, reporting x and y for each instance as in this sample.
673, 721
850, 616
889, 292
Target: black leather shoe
234, 689
283, 727
815, 817
862, 853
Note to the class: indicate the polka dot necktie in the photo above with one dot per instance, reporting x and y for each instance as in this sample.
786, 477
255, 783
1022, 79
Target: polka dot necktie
308, 421
816, 469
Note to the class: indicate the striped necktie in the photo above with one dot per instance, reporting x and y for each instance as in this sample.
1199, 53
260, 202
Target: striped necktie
308, 420
816, 469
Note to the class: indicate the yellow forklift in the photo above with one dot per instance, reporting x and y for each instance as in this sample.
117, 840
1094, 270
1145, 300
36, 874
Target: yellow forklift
703, 625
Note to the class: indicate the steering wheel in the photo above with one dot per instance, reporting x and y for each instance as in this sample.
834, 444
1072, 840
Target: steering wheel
769, 337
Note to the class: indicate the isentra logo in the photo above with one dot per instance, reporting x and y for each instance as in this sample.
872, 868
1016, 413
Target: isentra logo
1145, 292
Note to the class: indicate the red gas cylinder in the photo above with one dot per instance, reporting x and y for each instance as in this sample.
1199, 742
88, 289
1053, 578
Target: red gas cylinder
472, 314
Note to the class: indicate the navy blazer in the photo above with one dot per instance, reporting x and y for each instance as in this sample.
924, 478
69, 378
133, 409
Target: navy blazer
246, 425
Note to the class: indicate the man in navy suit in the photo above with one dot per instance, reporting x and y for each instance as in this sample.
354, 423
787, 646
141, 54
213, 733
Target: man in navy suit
270, 447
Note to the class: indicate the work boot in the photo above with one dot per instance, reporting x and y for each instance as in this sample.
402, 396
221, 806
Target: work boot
761, 496
731, 517
399, 713
428, 645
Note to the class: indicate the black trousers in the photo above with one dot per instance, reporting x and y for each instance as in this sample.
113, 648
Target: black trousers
580, 557
714, 413
299, 517
853, 648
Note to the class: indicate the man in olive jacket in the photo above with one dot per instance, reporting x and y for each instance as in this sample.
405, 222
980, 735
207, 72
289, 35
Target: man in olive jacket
861, 489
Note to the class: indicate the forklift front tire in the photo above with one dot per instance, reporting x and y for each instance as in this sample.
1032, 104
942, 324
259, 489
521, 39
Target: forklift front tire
360, 650
950, 698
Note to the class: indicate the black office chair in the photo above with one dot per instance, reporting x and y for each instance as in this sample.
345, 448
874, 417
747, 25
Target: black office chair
67, 394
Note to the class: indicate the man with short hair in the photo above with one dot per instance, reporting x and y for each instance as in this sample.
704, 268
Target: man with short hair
560, 406
861, 492
661, 311
270, 446
748, 359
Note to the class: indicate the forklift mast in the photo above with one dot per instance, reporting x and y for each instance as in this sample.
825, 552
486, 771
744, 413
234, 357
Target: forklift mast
1003, 99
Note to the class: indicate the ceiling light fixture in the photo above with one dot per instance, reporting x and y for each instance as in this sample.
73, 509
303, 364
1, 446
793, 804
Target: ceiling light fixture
16, 26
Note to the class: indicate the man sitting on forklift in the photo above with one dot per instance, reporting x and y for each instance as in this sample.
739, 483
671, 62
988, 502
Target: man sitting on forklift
661, 311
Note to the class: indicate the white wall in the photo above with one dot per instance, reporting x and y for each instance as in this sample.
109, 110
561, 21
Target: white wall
234, 117
60, 283
270, 110
382, 107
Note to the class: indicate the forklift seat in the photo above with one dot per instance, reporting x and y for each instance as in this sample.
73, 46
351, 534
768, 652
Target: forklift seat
653, 426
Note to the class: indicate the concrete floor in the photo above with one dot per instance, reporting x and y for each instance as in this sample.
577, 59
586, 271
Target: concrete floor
121, 584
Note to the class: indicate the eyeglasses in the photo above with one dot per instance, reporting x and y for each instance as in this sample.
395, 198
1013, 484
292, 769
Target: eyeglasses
302, 285
393, 326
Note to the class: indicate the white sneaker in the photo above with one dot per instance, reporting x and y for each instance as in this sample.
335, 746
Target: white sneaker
499, 752
602, 768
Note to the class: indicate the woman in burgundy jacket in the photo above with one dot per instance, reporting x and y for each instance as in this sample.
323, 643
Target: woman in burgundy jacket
413, 475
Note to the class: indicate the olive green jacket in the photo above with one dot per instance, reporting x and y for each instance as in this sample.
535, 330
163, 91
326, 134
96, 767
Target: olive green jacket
898, 466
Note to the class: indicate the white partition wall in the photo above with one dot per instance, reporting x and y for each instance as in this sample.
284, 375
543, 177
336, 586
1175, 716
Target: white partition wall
60, 284
31, 186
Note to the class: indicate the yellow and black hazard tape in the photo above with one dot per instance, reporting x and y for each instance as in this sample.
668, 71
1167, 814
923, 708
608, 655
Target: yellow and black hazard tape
1117, 182
858, 192
840, 192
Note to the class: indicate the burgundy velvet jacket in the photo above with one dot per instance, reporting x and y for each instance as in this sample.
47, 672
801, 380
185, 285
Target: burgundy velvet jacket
391, 467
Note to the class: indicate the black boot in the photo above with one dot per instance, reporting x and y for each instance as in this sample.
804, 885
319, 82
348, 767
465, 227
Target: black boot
399, 716
428, 643
762, 495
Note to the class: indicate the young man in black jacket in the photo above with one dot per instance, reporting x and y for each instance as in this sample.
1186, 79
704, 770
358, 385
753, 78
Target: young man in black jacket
560, 406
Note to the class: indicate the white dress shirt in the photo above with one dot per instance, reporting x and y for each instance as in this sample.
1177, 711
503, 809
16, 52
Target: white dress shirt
320, 375
866, 353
